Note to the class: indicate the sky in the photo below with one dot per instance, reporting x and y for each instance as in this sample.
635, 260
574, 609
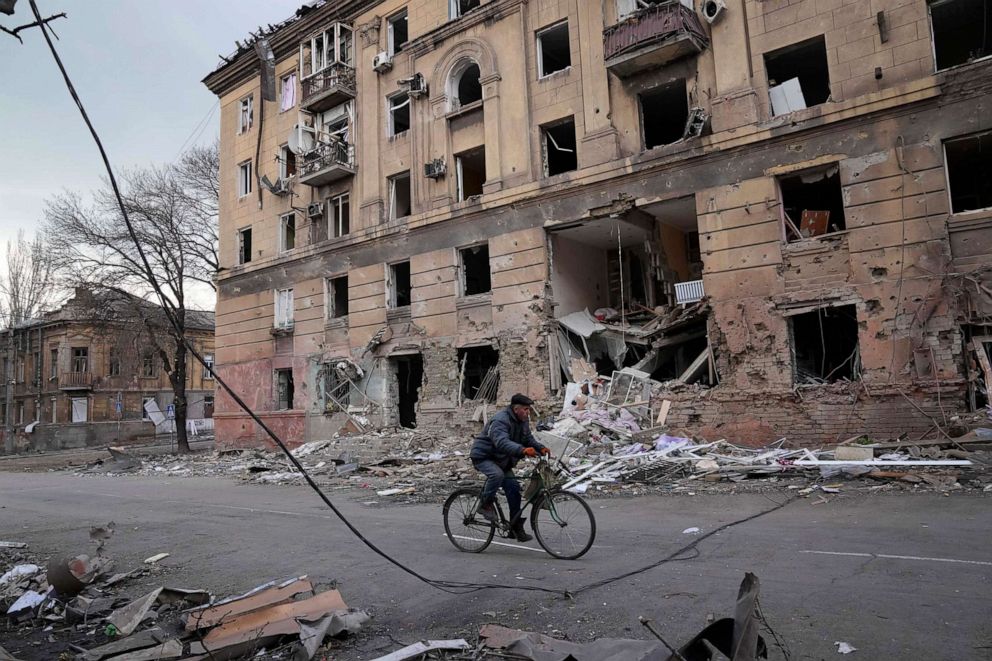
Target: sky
137, 65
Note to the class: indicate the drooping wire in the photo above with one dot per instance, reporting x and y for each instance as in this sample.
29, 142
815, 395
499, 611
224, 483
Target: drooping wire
452, 587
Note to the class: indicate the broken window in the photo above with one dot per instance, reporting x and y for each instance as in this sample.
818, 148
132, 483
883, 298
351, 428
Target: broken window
337, 297
825, 345
284, 390
476, 278
457, 8
244, 245
464, 86
627, 7
969, 161
80, 359
471, 173
399, 196
145, 401
244, 179
396, 32
114, 367
284, 308
287, 92
664, 114
812, 203
287, 162
479, 373
553, 51
409, 379
961, 30
798, 76
245, 114
339, 209
287, 232
399, 113
399, 285
208, 367
559, 147
53, 367
149, 366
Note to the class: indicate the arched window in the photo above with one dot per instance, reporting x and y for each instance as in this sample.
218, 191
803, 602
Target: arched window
463, 84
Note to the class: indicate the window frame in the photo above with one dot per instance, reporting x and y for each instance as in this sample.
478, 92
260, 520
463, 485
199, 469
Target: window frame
463, 271
208, 368
391, 107
246, 102
459, 173
282, 87
391, 21
545, 152
392, 301
334, 215
285, 153
392, 194
283, 235
149, 366
947, 172
77, 357
454, 11
244, 257
245, 183
330, 296
283, 317
541, 74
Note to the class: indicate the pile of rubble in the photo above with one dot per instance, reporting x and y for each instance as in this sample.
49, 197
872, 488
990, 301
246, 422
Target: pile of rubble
75, 609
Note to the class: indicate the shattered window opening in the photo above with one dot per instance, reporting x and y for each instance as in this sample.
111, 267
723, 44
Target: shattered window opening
287, 232
114, 367
244, 245
960, 31
284, 308
208, 367
53, 368
149, 366
806, 62
399, 285
969, 161
553, 49
287, 162
812, 203
464, 85
471, 173
399, 196
825, 345
337, 297
478, 369
80, 359
559, 147
458, 8
664, 114
475, 270
246, 114
399, 113
397, 32
284, 389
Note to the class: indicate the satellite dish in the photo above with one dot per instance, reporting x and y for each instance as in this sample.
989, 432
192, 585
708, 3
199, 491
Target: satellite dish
300, 139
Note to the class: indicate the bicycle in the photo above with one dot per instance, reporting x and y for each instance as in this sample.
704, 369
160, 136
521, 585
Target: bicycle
562, 522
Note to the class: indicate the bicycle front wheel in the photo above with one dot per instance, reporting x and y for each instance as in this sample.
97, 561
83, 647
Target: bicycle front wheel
468, 530
564, 525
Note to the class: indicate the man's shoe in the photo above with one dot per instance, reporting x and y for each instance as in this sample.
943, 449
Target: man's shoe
488, 512
518, 531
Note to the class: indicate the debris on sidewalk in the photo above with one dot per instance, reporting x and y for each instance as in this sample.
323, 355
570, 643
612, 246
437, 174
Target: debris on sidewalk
844, 648
417, 650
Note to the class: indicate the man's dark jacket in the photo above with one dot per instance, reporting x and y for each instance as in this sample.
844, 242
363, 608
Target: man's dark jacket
503, 440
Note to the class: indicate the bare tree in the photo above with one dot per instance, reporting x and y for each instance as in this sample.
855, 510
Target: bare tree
173, 211
27, 285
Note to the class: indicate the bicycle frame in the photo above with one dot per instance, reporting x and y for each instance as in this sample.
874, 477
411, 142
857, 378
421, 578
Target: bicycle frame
539, 492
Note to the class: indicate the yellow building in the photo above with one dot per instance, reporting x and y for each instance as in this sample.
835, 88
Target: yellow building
435, 184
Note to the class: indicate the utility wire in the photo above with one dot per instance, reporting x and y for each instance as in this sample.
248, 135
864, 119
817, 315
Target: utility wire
452, 587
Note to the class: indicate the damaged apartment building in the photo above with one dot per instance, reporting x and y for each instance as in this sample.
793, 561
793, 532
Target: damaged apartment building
777, 210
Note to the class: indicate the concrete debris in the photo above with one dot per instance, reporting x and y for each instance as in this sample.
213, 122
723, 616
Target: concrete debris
128, 618
417, 650
13, 545
844, 648
158, 557
539, 647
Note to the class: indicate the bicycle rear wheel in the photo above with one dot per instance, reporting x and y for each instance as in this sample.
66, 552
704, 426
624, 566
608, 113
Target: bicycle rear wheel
564, 525
468, 530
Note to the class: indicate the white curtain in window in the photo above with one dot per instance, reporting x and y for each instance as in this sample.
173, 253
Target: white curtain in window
288, 92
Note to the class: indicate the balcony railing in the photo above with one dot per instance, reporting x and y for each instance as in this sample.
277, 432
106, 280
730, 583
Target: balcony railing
689, 292
327, 162
75, 380
329, 87
653, 37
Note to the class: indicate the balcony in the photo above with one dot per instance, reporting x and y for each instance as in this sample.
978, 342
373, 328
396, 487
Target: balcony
76, 381
329, 87
653, 37
327, 162
689, 292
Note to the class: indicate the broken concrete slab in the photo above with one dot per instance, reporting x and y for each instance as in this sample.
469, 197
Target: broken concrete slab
137, 641
129, 617
170, 649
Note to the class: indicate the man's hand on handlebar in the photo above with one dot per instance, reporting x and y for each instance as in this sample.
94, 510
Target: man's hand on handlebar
545, 451
530, 452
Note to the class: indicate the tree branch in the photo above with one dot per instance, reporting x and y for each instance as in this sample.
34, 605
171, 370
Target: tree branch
14, 32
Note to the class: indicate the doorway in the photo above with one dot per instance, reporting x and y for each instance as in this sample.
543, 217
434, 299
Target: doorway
409, 378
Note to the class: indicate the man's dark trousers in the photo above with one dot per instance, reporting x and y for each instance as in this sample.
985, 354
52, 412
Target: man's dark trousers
496, 477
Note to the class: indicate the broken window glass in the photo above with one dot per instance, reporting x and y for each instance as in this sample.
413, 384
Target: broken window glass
812, 203
559, 147
825, 345
476, 277
399, 113
969, 162
399, 282
962, 31
471, 173
244, 245
553, 50
798, 76
284, 389
337, 297
287, 232
469, 89
664, 113
397, 32
399, 196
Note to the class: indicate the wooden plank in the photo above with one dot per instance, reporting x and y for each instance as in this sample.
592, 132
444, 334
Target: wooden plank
663, 413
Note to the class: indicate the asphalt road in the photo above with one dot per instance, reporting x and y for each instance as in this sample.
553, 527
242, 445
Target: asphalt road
897, 577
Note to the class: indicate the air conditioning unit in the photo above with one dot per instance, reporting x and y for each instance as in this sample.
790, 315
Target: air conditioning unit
712, 10
416, 85
315, 210
436, 169
382, 62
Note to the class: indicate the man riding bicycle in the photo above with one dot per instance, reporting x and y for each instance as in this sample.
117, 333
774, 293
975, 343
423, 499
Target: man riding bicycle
504, 441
